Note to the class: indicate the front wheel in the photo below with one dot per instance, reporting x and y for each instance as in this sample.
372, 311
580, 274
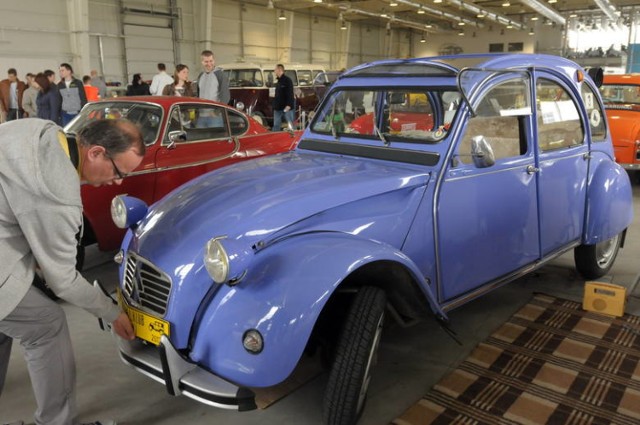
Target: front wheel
355, 356
594, 261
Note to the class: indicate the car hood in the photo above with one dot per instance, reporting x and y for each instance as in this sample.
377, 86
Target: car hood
259, 200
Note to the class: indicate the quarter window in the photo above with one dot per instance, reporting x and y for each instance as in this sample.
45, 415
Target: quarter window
238, 123
559, 124
594, 112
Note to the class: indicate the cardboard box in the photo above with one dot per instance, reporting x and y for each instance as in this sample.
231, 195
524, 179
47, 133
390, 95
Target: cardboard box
604, 298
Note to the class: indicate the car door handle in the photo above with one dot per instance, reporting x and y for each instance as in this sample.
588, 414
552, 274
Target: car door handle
531, 169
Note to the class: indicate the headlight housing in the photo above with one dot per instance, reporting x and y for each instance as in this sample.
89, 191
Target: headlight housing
226, 260
216, 260
126, 211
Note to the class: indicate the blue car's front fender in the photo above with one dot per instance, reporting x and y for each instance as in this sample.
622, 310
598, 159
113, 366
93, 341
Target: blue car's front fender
610, 202
282, 296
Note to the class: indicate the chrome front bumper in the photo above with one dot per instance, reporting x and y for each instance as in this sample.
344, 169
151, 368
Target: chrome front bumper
167, 366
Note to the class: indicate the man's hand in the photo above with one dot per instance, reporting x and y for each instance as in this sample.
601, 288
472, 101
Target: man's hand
287, 109
122, 327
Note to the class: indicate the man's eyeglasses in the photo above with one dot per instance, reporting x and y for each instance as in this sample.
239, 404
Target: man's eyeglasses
119, 174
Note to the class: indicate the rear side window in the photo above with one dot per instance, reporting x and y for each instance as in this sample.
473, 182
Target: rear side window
559, 124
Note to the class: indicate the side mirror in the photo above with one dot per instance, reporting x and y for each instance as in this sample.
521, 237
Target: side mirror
481, 152
397, 98
175, 137
596, 74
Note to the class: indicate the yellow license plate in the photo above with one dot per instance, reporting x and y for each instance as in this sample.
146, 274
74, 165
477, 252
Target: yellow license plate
146, 326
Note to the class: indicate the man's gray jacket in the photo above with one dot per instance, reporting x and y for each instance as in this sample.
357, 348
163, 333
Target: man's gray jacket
40, 214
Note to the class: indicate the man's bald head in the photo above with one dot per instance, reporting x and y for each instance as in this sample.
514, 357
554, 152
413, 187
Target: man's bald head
115, 136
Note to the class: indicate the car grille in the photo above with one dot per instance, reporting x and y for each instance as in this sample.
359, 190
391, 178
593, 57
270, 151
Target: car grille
147, 285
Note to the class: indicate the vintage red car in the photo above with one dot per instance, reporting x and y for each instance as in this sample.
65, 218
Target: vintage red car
621, 96
184, 137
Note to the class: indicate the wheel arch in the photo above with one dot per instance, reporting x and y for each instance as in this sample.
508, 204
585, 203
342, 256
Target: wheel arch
286, 292
609, 203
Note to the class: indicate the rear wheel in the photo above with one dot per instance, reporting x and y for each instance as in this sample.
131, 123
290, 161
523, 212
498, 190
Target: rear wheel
594, 261
355, 357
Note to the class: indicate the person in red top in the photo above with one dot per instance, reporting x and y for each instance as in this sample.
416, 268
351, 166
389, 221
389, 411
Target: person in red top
89, 90
11, 90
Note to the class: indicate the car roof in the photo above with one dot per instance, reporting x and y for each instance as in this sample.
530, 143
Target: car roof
165, 101
451, 65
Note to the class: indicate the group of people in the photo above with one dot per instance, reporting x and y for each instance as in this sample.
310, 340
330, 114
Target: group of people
211, 83
42, 97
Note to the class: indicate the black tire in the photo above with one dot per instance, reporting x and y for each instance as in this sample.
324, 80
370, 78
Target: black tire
350, 374
594, 261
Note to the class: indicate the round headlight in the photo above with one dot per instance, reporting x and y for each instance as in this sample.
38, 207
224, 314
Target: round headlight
216, 261
240, 106
119, 212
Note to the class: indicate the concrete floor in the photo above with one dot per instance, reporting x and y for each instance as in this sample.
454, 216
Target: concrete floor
410, 360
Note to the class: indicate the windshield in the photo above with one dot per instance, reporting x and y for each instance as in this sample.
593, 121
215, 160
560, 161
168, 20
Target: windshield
148, 117
620, 93
408, 115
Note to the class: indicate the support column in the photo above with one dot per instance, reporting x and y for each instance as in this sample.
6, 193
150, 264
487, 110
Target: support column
78, 16
203, 26
284, 37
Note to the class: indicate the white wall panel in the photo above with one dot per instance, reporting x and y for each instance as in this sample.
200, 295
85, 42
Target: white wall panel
146, 46
34, 35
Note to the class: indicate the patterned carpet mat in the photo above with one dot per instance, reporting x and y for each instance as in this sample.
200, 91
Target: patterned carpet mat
550, 363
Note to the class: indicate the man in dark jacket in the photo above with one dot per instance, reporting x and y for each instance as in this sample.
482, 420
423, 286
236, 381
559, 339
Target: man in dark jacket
283, 101
72, 93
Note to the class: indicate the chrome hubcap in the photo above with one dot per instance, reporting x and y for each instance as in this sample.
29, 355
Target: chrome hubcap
606, 250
